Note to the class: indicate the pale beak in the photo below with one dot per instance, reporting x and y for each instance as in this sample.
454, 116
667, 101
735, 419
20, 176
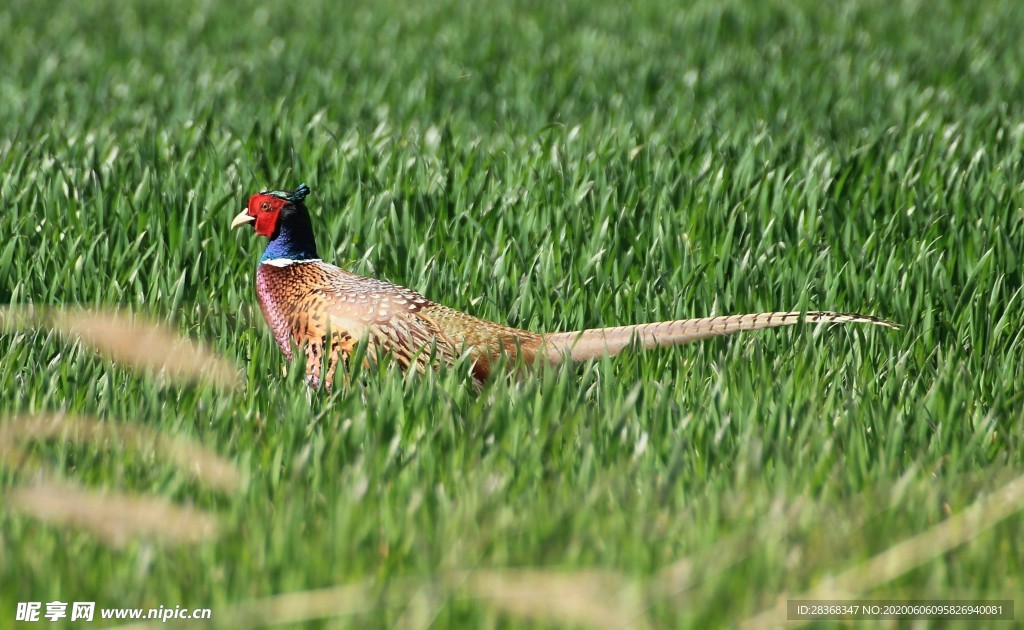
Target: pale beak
242, 218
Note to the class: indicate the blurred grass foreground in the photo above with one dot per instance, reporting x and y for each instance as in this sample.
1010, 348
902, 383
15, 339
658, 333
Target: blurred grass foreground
552, 166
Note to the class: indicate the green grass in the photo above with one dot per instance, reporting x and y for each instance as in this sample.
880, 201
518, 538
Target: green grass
553, 166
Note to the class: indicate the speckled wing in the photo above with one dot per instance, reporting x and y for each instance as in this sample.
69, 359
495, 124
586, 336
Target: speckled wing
487, 340
303, 301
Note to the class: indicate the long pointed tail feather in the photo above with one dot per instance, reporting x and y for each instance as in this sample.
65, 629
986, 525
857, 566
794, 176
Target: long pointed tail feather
590, 344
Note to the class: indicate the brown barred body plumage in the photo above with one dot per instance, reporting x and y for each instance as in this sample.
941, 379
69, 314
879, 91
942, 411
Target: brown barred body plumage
327, 311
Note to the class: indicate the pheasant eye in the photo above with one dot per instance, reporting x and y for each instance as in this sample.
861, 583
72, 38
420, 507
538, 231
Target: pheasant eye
265, 207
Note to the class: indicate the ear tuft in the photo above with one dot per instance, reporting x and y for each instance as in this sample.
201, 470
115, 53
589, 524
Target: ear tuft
299, 194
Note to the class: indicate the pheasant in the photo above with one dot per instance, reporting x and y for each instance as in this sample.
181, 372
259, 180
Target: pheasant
324, 309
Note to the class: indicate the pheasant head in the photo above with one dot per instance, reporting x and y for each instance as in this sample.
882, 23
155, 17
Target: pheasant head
283, 218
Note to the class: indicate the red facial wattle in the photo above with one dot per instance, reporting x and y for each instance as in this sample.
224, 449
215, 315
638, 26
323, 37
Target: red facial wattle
265, 209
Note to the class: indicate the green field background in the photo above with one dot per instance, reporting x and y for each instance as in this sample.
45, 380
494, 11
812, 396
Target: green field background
552, 166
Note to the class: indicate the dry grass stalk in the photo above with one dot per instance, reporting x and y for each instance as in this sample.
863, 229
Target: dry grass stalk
593, 599
114, 518
204, 465
145, 345
907, 554
337, 601
129, 340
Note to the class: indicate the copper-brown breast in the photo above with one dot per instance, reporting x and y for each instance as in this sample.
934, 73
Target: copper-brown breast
278, 294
